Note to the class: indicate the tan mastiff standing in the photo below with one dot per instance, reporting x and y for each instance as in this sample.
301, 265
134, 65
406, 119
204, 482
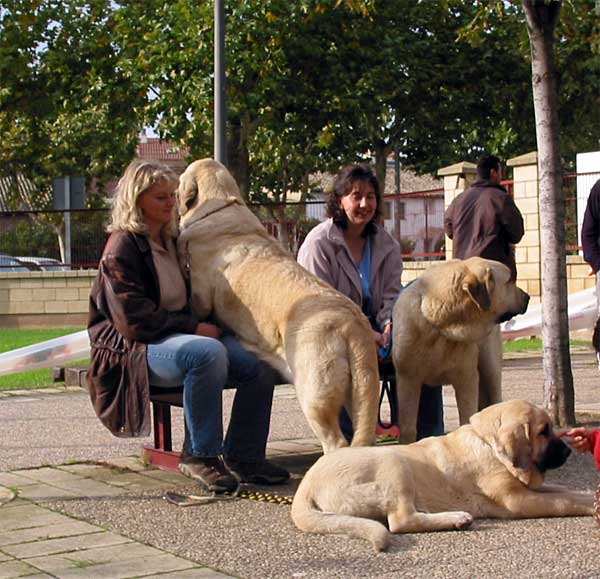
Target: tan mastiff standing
445, 325
316, 337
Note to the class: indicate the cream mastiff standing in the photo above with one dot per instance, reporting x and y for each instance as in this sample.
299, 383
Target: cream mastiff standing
316, 337
442, 323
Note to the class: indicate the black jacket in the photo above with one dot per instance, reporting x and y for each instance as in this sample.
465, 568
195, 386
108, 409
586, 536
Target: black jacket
590, 229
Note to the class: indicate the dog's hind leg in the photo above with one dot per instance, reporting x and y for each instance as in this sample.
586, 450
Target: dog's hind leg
466, 390
321, 404
405, 519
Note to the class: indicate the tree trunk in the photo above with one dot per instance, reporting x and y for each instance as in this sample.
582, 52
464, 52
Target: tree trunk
381, 154
558, 378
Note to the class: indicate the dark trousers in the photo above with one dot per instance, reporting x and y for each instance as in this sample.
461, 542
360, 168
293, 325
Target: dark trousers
430, 419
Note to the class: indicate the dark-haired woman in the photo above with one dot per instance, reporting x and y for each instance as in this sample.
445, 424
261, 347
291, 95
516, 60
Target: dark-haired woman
355, 255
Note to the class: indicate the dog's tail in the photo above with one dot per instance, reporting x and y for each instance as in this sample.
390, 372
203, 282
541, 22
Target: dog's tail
364, 373
307, 517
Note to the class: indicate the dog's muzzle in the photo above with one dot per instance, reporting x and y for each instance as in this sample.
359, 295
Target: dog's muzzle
508, 315
555, 456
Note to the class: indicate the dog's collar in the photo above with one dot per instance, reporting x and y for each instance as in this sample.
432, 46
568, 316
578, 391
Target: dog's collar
203, 216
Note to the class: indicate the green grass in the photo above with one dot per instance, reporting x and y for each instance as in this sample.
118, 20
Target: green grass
536, 344
11, 339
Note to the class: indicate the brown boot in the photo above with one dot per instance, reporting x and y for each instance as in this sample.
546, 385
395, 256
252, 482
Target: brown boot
210, 472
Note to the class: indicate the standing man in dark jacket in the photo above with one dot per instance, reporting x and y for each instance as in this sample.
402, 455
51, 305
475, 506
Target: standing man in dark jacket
590, 235
484, 221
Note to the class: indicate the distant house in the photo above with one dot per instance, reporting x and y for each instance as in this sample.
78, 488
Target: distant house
171, 154
416, 215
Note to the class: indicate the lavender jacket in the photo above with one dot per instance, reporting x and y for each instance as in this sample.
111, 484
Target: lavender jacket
325, 253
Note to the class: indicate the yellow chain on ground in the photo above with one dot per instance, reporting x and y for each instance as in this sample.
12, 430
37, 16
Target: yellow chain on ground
265, 497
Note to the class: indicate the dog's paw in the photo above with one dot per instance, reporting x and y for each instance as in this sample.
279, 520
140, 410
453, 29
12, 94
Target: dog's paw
461, 519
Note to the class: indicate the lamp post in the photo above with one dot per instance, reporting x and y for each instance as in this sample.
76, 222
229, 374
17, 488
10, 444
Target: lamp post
220, 135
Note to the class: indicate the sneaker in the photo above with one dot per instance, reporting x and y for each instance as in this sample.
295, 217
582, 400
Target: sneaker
259, 473
211, 473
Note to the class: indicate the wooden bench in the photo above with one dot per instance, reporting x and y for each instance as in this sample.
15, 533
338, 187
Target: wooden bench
160, 453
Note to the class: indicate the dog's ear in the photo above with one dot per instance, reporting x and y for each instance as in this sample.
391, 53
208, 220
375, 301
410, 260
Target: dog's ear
509, 435
479, 290
186, 194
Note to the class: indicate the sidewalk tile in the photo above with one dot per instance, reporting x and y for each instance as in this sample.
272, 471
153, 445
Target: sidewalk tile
95, 556
36, 576
85, 487
133, 481
4, 558
43, 491
79, 568
16, 502
48, 475
167, 477
10, 479
66, 528
12, 569
65, 544
29, 516
83, 469
130, 462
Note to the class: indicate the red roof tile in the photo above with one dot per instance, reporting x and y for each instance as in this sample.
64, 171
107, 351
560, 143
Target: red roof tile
155, 149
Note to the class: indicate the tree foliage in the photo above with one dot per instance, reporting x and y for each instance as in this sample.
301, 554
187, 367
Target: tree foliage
311, 84
66, 105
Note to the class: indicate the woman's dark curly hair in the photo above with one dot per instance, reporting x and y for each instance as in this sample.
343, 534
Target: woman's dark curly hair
343, 184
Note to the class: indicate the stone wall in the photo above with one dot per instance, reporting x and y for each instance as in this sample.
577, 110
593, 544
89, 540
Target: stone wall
45, 299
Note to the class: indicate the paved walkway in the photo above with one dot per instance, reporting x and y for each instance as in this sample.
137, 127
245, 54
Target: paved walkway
87, 506
38, 542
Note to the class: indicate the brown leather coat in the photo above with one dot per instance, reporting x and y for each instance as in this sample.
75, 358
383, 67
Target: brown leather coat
124, 316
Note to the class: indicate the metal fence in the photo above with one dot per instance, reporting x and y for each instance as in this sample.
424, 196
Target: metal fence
416, 220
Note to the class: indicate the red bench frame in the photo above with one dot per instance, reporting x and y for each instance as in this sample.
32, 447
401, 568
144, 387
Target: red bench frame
161, 454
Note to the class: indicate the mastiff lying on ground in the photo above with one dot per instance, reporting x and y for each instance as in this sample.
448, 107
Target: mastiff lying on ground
493, 467
446, 331
316, 337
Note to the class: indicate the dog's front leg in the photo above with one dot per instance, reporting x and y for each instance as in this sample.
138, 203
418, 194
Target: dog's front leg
202, 302
555, 503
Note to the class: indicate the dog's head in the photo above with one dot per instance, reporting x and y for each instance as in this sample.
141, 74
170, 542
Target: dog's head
506, 299
205, 185
464, 298
522, 439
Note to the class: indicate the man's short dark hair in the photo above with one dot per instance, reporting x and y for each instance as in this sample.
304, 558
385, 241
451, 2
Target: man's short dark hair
343, 184
486, 164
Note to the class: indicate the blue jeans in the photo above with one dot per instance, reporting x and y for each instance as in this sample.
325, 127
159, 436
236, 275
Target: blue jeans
205, 367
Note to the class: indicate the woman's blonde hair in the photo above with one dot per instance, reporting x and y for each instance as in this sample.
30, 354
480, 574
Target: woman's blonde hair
138, 177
